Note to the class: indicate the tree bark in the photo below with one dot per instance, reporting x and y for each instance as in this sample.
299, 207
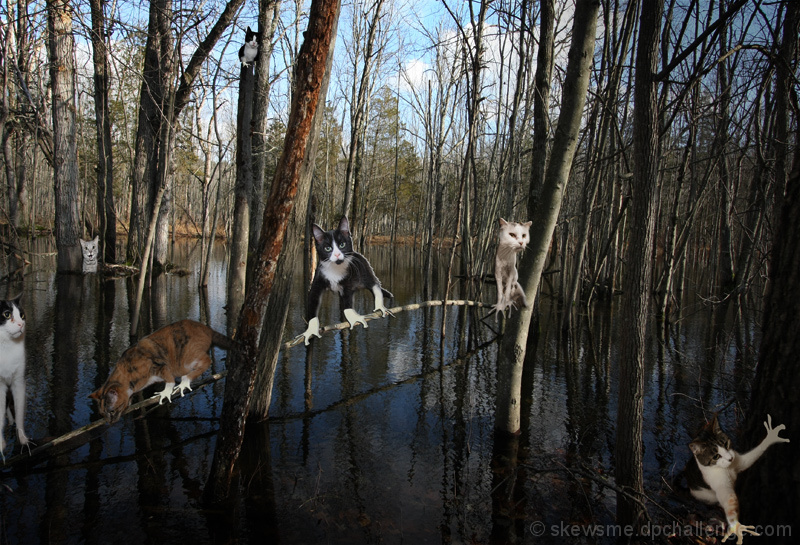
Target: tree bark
105, 172
548, 204
243, 198
278, 305
637, 274
61, 49
771, 488
268, 19
310, 69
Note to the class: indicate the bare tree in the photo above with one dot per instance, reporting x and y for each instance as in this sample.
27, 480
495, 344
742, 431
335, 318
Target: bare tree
61, 50
511, 355
105, 165
637, 277
360, 92
310, 70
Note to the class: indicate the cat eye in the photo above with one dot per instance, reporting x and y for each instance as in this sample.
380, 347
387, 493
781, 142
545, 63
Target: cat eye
328, 249
6, 314
716, 457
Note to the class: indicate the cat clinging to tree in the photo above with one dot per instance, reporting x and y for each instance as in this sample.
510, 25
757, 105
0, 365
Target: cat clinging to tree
512, 238
343, 271
712, 473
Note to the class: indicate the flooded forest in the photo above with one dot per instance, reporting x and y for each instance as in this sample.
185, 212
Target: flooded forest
186, 160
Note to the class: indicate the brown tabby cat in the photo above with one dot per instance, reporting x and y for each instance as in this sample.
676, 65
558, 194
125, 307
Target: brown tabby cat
177, 350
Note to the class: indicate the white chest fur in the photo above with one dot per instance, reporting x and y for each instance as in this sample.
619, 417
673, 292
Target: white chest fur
12, 358
334, 273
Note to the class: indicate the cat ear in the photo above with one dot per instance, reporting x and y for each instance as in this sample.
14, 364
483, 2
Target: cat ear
248, 28
695, 447
344, 226
503, 222
18, 299
714, 424
96, 239
95, 395
319, 234
527, 224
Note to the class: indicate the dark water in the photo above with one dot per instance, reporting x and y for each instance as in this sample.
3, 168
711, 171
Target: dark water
383, 435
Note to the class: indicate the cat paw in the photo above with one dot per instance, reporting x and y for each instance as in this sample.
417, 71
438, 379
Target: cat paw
772, 433
354, 318
383, 310
186, 384
311, 331
737, 529
166, 394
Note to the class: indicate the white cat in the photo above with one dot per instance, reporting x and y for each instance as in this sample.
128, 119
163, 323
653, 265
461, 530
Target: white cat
512, 238
89, 248
12, 369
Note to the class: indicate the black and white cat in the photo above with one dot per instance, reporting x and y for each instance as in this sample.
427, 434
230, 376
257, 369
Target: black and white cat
712, 473
12, 369
342, 271
89, 248
512, 238
249, 51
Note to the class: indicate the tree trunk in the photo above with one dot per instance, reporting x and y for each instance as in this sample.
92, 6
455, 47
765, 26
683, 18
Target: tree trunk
548, 204
105, 173
243, 198
310, 69
771, 488
637, 274
278, 305
151, 99
61, 49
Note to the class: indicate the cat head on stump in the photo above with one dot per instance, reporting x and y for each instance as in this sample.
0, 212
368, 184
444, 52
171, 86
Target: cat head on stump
711, 446
334, 245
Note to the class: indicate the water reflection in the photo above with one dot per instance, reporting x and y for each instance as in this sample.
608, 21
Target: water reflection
383, 434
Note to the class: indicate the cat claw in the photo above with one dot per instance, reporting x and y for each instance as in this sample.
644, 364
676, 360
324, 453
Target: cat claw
383, 310
737, 529
311, 331
354, 318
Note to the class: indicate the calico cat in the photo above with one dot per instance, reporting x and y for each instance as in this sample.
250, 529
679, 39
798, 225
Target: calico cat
343, 271
12, 369
249, 51
89, 249
512, 238
712, 474
177, 350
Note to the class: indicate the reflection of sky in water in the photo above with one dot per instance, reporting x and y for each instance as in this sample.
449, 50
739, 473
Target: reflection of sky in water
396, 445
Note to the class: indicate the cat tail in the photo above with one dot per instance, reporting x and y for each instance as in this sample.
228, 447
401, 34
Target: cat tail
222, 341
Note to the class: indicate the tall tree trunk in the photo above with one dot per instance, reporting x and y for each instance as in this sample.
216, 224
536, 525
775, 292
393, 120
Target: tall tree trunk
151, 100
637, 274
310, 69
278, 305
268, 19
771, 488
61, 49
548, 204
105, 172
243, 198
358, 111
